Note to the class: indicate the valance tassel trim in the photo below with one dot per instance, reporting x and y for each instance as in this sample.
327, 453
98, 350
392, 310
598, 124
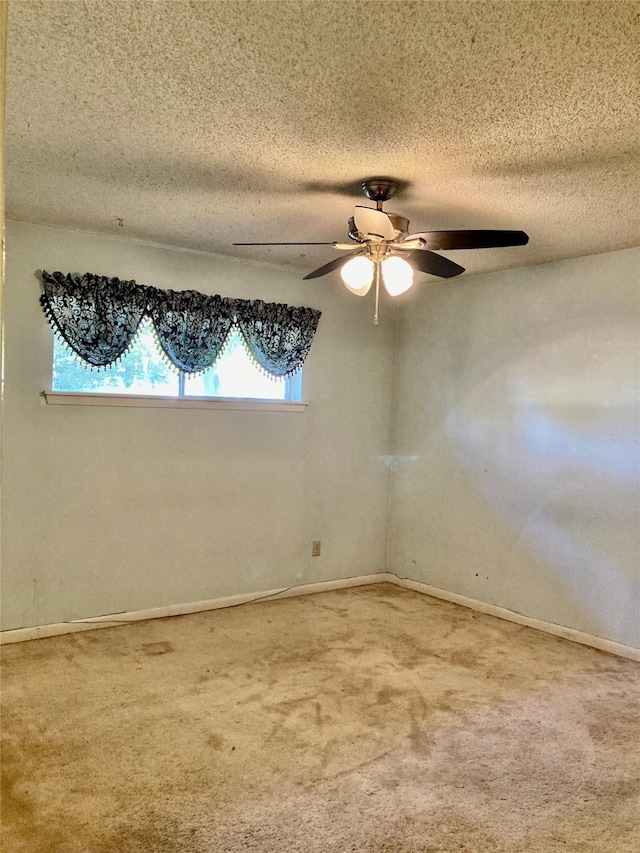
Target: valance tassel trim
258, 366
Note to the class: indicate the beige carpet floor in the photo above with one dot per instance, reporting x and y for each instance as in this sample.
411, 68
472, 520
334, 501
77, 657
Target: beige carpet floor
370, 719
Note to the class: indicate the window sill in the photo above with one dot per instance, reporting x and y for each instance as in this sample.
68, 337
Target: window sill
70, 398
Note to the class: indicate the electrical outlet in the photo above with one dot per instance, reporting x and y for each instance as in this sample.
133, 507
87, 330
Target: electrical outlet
315, 548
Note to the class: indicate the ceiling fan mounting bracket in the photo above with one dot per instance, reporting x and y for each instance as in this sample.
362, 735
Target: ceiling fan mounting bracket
379, 189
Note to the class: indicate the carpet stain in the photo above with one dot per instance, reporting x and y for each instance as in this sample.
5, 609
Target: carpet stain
465, 657
32, 829
215, 741
15, 805
418, 737
162, 648
383, 696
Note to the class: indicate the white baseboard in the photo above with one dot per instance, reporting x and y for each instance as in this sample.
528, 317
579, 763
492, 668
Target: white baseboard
111, 620
20, 635
511, 616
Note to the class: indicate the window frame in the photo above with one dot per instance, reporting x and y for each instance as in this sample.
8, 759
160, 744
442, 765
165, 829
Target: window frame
81, 398
291, 401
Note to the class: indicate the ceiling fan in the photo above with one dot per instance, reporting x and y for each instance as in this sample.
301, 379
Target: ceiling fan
386, 251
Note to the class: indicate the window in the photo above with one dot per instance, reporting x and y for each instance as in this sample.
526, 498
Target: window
144, 371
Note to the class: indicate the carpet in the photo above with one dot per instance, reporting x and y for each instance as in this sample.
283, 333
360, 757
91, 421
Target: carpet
369, 719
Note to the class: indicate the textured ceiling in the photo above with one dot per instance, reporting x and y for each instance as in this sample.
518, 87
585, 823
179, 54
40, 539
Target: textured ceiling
203, 123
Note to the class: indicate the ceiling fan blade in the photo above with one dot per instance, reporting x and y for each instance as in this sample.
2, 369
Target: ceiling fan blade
368, 220
335, 264
334, 243
443, 240
429, 262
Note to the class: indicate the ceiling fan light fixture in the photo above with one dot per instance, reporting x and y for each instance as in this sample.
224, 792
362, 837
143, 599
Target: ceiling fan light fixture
397, 276
357, 275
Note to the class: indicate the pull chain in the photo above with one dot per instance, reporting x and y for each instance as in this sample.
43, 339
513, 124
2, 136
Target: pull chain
377, 277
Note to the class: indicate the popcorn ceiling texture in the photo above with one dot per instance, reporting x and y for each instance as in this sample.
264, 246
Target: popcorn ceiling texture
201, 124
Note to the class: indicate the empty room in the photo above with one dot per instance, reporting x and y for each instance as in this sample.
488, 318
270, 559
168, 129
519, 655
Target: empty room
320, 424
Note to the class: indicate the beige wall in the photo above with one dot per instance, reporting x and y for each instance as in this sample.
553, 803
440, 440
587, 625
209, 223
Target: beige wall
111, 509
510, 425
516, 429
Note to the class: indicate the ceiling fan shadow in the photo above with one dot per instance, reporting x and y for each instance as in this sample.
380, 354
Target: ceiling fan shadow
153, 170
624, 160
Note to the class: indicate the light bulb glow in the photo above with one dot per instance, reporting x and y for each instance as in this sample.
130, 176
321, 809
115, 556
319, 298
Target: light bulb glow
357, 275
397, 276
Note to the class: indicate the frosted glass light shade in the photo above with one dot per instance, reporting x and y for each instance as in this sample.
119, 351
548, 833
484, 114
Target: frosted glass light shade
397, 276
357, 275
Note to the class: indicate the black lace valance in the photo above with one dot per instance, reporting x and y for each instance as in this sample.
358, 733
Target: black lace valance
98, 317
277, 335
192, 328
